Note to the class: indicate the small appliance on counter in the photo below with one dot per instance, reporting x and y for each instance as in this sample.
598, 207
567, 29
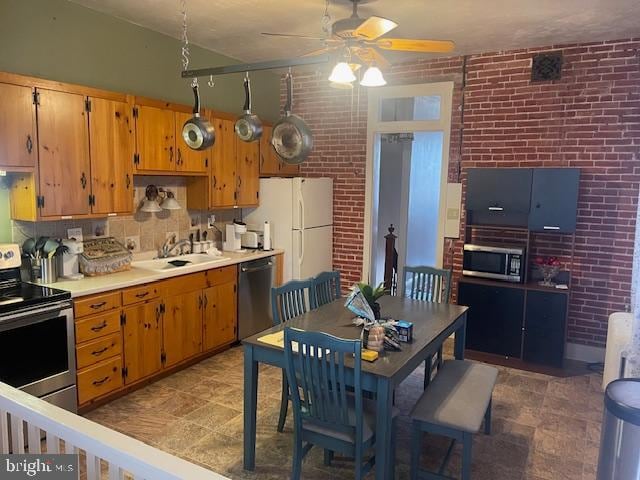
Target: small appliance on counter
233, 236
37, 344
69, 266
252, 239
497, 262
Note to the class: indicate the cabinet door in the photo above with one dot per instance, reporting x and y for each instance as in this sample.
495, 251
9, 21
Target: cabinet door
182, 327
220, 315
269, 161
111, 131
544, 335
223, 165
142, 340
554, 200
494, 321
155, 139
17, 127
187, 159
248, 173
499, 196
63, 150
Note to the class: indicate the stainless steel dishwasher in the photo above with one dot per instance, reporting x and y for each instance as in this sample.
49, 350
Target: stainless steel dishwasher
254, 296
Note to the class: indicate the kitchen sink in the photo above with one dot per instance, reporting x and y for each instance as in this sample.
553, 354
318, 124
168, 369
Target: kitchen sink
173, 263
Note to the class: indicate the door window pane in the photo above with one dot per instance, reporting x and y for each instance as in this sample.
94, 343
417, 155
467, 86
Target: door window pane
410, 108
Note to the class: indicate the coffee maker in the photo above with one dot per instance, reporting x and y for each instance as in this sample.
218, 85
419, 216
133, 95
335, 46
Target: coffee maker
233, 236
69, 267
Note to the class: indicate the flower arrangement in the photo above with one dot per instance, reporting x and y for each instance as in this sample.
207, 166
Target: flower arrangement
549, 267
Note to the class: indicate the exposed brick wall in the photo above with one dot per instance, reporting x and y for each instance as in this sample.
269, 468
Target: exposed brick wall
589, 119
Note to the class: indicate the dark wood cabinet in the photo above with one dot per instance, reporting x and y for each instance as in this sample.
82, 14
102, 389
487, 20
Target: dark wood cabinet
499, 196
544, 332
554, 200
494, 321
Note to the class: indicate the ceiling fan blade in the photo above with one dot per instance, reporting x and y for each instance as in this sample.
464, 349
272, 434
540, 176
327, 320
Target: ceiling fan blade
409, 45
370, 55
292, 35
374, 27
320, 51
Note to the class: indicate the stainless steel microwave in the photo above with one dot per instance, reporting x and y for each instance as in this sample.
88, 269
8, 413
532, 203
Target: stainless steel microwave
505, 263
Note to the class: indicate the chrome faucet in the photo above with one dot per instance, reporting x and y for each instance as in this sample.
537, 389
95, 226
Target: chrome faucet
168, 247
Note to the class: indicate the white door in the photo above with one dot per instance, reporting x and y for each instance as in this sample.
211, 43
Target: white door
312, 202
312, 252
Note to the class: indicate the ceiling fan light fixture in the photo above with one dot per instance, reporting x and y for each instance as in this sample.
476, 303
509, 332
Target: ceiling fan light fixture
373, 77
342, 73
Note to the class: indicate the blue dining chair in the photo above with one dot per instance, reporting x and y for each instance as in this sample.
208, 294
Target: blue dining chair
428, 284
326, 287
325, 412
288, 301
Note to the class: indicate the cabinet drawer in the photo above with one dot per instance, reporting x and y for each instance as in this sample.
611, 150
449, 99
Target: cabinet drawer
92, 352
139, 294
99, 379
222, 275
97, 326
96, 304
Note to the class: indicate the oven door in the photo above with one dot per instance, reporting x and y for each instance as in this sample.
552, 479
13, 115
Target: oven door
37, 349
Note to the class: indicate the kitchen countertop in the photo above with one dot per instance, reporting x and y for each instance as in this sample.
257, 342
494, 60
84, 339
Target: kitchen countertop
139, 276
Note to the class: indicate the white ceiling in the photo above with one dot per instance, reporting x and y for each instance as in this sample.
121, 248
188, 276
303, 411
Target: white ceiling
232, 27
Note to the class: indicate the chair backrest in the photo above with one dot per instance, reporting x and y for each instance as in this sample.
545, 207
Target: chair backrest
292, 299
326, 287
427, 283
316, 372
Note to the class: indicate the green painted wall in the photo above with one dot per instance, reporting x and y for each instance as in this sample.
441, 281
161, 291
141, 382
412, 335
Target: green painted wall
59, 40
5, 223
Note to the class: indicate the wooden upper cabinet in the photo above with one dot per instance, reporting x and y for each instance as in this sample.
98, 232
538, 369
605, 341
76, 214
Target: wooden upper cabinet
270, 163
17, 127
187, 159
155, 139
63, 147
248, 173
111, 129
223, 165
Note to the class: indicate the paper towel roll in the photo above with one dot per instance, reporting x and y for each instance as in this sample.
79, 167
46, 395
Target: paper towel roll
266, 238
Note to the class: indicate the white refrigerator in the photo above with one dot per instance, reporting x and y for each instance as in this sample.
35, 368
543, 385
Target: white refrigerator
300, 213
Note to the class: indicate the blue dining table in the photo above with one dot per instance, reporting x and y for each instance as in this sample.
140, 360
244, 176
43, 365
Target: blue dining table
433, 323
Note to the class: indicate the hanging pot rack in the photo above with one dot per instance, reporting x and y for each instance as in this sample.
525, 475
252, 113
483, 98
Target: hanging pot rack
257, 66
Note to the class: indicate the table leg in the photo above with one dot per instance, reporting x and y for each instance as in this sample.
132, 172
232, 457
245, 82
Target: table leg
250, 407
383, 429
458, 349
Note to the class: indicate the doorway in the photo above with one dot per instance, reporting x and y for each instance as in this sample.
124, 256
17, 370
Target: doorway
407, 166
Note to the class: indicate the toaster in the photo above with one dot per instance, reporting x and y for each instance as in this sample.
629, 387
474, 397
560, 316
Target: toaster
251, 239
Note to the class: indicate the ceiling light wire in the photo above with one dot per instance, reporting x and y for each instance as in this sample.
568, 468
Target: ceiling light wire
185, 53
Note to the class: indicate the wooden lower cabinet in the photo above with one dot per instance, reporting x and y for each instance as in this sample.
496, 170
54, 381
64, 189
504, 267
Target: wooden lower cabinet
142, 334
99, 379
182, 327
220, 326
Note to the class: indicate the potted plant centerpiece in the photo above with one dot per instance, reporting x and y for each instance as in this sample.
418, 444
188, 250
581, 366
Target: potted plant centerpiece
376, 332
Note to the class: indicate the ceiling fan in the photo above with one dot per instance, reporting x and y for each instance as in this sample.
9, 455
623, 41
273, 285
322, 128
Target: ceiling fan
364, 38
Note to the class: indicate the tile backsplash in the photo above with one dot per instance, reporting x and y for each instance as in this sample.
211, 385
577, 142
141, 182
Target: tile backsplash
141, 232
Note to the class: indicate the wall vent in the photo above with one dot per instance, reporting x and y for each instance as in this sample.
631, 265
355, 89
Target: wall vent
546, 66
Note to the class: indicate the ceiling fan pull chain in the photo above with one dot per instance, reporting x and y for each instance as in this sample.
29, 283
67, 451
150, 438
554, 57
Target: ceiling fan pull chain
326, 19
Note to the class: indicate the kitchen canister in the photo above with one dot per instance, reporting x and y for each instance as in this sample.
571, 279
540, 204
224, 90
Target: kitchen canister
48, 270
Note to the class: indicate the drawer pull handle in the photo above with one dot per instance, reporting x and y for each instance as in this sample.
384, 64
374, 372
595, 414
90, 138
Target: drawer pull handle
97, 383
99, 352
97, 328
96, 306
496, 209
142, 295
550, 227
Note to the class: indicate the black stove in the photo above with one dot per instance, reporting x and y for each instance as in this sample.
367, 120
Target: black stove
16, 294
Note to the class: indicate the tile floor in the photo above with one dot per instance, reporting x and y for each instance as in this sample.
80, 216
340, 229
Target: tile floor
543, 427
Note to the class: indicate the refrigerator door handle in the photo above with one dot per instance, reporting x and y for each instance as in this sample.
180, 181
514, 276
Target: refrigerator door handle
301, 248
301, 207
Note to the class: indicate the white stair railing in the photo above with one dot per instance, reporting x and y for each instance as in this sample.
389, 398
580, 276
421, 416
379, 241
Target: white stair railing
99, 447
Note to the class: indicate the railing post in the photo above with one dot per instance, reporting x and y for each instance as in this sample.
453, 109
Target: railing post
389, 256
